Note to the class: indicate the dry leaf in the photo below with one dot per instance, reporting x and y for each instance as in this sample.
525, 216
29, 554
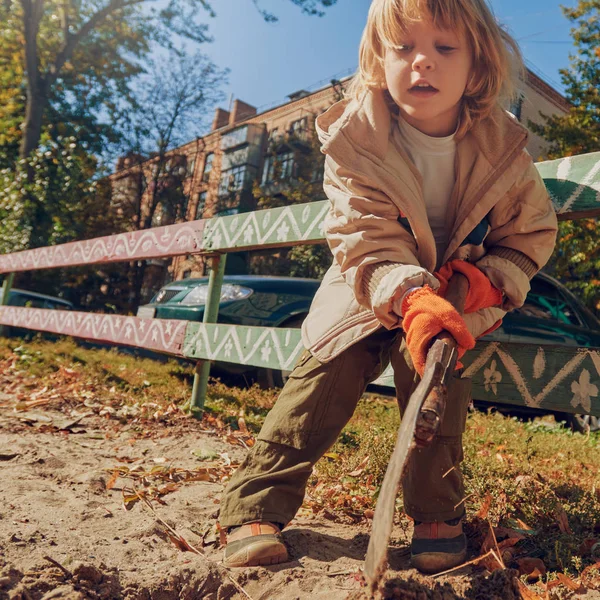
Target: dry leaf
360, 468
526, 593
563, 522
534, 568
568, 582
110, 484
242, 425
485, 506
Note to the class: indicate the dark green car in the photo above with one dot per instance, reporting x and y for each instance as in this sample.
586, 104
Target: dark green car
551, 314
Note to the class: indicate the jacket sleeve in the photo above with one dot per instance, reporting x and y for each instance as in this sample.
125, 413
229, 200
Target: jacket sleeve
376, 254
521, 239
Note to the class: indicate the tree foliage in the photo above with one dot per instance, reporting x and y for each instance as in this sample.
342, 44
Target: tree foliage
293, 175
576, 260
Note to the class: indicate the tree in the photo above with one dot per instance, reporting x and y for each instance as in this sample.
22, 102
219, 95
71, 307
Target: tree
92, 46
293, 174
171, 106
576, 260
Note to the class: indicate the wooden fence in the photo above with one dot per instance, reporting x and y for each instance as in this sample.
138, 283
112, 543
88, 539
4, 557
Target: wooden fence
548, 377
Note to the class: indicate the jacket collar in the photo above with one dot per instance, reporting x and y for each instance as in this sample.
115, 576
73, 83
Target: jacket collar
366, 124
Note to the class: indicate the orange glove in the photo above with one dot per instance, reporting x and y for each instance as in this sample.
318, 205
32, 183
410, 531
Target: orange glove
426, 315
482, 294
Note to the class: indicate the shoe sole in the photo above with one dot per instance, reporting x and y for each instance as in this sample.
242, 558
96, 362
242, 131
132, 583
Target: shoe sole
257, 554
436, 562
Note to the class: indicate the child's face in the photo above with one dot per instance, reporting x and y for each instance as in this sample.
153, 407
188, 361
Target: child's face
439, 58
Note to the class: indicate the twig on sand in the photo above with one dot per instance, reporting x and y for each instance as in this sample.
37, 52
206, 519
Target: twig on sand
238, 587
343, 572
471, 562
66, 571
174, 533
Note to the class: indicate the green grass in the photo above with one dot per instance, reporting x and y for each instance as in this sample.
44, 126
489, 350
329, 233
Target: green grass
533, 471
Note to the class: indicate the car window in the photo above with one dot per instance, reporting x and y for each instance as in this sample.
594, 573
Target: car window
27, 301
56, 305
545, 301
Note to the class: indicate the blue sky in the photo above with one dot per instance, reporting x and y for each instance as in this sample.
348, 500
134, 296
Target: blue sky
270, 61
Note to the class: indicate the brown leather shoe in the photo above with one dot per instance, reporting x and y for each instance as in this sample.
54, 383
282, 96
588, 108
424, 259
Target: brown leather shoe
253, 544
438, 546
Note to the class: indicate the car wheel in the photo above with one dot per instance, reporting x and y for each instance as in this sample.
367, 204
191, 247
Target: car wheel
269, 378
583, 423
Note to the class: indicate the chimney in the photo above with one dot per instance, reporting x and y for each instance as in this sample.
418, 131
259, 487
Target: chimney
297, 95
221, 119
241, 111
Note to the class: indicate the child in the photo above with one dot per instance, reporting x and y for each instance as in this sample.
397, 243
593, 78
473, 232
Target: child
424, 171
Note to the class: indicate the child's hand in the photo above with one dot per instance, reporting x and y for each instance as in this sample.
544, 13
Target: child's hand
425, 316
482, 294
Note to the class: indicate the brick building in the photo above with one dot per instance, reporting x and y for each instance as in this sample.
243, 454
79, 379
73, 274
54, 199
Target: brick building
220, 168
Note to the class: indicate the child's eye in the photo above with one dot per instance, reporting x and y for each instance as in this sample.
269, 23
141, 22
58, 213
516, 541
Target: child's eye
445, 49
402, 48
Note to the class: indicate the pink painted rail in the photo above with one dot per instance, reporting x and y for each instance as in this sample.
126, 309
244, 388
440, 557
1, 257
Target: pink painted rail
163, 335
159, 242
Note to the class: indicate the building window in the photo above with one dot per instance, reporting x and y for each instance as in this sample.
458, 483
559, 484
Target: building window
234, 138
278, 168
516, 106
208, 163
201, 204
318, 172
232, 180
191, 163
299, 127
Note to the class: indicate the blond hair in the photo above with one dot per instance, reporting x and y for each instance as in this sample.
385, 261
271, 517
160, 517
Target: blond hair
497, 62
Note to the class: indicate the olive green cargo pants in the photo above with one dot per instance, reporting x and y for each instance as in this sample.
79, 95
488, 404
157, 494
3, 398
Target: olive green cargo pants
313, 408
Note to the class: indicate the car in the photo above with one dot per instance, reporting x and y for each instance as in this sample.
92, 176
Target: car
25, 298
551, 314
257, 300
17, 297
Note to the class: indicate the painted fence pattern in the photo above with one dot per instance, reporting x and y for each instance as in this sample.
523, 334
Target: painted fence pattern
558, 378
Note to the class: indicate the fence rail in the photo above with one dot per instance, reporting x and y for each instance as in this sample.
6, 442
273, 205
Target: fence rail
564, 378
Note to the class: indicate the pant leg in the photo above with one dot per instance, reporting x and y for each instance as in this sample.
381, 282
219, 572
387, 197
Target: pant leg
428, 495
311, 411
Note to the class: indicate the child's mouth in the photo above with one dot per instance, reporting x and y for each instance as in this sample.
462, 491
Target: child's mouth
423, 90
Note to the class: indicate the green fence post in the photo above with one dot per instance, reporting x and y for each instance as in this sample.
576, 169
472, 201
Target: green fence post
211, 311
6, 286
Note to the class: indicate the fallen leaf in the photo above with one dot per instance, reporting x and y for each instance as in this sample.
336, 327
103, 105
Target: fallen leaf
113, 479
586, 546
360, 468
205, 453
332, 455
568, 582
563, 522
485, 506
534, 568
526, 593
242, 425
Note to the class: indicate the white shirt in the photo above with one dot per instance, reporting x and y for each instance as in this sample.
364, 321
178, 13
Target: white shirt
434, 159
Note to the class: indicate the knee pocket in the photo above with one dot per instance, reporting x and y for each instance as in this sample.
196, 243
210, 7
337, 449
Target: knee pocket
455, 415
302, 404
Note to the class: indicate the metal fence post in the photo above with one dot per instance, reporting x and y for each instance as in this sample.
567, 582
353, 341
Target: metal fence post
211, 311
6, 286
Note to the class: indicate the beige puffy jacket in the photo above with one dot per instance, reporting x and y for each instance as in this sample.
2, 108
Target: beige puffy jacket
499, 217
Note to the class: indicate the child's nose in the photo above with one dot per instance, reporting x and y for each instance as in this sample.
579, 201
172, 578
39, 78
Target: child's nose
422, 62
